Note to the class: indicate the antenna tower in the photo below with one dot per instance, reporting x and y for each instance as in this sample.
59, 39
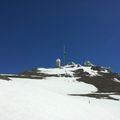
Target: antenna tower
65, 54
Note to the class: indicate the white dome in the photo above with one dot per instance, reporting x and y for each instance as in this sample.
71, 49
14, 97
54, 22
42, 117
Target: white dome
58, 60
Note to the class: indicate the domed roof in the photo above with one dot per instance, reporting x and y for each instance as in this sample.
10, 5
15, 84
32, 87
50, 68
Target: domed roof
58, 60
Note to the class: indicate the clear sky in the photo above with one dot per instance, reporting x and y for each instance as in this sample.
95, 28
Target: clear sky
33, 33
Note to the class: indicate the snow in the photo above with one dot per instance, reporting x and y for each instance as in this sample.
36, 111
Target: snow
67, 70
89, 70
31, 99
58, 71
8, 74
52, 70
64, 85
115, 96
116, 80
104, 71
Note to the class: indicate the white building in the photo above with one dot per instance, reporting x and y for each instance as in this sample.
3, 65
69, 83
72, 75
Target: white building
58, 63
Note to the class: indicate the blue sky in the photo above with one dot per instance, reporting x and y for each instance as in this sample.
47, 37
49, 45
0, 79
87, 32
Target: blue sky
33, 33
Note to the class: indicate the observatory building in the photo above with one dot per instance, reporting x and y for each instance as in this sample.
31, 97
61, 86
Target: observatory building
58, 63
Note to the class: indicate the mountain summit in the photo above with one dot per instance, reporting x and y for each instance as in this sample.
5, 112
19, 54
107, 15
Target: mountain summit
73, 91
106, 81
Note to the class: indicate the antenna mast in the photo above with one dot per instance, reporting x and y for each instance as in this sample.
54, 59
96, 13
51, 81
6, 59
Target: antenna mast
65, 54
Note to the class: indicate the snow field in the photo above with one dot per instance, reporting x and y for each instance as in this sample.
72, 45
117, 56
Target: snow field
28, 99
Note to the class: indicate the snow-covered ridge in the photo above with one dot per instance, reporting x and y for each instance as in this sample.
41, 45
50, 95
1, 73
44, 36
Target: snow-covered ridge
57, 71
68, 69
100, 77
64, 71
61, 94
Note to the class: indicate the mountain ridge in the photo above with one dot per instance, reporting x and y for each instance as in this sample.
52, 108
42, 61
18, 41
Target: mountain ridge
102, 78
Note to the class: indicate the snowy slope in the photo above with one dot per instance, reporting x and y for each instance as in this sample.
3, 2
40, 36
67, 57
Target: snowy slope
49, 96
30, 99
65, 86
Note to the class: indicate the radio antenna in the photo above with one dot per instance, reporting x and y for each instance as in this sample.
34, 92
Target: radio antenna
65, 54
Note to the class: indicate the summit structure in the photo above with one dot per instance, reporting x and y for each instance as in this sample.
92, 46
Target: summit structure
65, 55
58, 63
